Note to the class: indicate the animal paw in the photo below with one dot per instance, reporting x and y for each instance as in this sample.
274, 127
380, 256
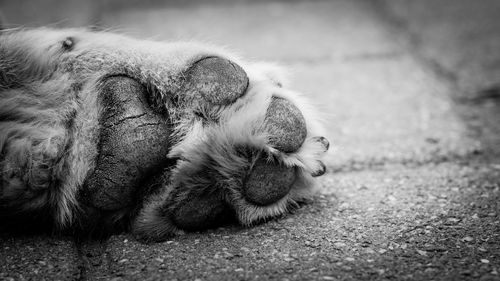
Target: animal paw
246, 148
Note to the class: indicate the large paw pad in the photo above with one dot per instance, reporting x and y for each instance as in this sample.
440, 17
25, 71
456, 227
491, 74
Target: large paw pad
133, 145
201, 212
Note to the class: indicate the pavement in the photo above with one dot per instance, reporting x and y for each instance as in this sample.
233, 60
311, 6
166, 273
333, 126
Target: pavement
410, 91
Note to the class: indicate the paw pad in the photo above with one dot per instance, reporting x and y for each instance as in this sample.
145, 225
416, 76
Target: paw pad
133, 145
286, 125
268, 182
201, 212
219, 81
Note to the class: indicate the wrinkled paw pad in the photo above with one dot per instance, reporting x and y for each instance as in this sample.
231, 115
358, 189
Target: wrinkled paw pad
132, 145
218, 81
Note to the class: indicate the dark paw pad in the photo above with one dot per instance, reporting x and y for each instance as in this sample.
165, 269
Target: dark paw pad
219, 81
286, 125
268, 182
201, 212
133, 144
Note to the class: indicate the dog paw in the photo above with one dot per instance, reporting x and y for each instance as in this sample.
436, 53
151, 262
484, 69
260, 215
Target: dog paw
246, 148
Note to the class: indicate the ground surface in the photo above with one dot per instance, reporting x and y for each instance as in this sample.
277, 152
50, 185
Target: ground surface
411, 95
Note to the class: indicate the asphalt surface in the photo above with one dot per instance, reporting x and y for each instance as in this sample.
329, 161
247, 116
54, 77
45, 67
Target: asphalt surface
410, 92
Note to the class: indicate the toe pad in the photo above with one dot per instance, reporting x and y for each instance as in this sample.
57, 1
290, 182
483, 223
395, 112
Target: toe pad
268, 182
201, 212
286, 125
218, 81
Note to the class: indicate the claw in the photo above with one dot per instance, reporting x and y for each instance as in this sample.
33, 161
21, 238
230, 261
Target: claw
323, 141
321, 171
